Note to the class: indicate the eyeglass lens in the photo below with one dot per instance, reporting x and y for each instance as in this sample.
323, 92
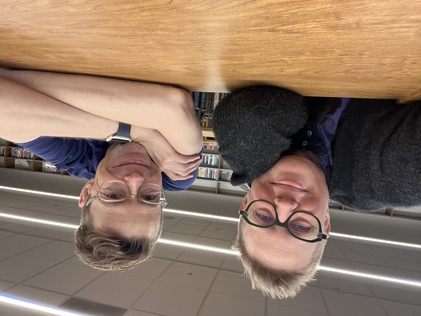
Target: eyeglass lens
300, 224
118, 191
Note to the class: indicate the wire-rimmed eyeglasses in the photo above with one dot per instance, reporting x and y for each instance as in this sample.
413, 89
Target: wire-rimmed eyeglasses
117, 191
301, 224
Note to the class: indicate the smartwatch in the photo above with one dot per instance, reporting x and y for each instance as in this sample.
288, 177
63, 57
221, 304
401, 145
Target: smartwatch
122, 135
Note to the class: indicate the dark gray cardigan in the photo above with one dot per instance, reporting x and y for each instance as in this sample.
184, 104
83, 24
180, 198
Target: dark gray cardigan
376, 150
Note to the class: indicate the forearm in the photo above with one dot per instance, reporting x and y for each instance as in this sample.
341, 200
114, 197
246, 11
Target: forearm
27, 114
164, 108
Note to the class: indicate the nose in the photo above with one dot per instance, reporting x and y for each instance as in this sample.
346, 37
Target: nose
134, 180
284, 206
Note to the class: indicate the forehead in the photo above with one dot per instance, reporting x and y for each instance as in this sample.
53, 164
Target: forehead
276, 248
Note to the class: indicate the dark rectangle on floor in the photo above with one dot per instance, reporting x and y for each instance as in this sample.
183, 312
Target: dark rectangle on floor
90, 308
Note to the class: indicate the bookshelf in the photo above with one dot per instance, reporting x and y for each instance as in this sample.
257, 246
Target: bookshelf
13, 156
213, 168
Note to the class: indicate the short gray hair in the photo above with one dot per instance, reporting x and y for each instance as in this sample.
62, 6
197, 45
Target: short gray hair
105, 252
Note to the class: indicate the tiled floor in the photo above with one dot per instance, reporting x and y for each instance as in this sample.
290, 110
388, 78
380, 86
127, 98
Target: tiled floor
37, 263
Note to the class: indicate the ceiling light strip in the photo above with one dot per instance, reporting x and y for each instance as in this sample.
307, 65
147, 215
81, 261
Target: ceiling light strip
196, 246
371, 276
36, 307
224, 218
40, 221
70, 197
383, 241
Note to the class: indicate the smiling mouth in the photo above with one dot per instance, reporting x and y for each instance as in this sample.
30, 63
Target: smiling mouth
132, 163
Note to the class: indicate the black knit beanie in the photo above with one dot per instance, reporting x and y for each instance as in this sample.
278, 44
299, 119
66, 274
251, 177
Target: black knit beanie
253, 128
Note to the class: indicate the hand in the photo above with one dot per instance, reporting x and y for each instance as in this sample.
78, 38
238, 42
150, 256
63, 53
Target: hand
173, 164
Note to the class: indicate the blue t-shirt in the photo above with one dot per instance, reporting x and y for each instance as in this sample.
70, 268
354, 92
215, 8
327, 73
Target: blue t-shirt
80, 157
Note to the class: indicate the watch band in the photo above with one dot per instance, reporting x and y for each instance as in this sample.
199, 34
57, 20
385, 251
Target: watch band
122, 135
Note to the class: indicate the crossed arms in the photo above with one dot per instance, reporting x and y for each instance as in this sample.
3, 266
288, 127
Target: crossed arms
38, 104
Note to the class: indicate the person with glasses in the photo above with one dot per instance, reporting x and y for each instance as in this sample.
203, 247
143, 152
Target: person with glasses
293, 155
132, 141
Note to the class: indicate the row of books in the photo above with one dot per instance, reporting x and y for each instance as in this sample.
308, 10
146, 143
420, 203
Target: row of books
19, 152
210, 147
210, 159
214, 173
207, 100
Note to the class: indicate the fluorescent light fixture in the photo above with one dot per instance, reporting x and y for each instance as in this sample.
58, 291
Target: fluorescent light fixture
40, 221
36, 307
70, 197
195, 246
223, 218
371, 276
382, 241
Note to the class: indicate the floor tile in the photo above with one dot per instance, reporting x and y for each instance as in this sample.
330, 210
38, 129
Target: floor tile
6, 234
6, 254
36, 295
49, 233
399, 295
16, 228
151, 269
400, 309
22, 267
186, 229
201, 257
235, 284
116, 289
133, 312
21, 243
4, 285
177, 237
276, 310
342, 284
56, 250
365, 257
333, 251
195, 222
309, 299
83, 307
351, 304
189, 275
68, 238
64, 278
216, 233
170, 299
169, 252
217, 304
231, 263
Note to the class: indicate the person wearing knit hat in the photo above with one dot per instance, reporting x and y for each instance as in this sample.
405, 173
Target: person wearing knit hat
293, 155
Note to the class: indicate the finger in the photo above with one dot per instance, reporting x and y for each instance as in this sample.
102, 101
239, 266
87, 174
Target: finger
183, 169
176, 177
190, 158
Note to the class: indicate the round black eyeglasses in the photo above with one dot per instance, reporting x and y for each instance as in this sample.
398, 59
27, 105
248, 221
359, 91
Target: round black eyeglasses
301, 224
117, 191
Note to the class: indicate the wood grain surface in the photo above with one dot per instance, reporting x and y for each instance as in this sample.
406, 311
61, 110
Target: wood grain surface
354, 48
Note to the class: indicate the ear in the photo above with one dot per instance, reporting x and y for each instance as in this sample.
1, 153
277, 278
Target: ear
244, 204
86, 190
326, 224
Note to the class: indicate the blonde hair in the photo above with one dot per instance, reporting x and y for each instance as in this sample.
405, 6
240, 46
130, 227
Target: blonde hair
276, 283
105, 252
